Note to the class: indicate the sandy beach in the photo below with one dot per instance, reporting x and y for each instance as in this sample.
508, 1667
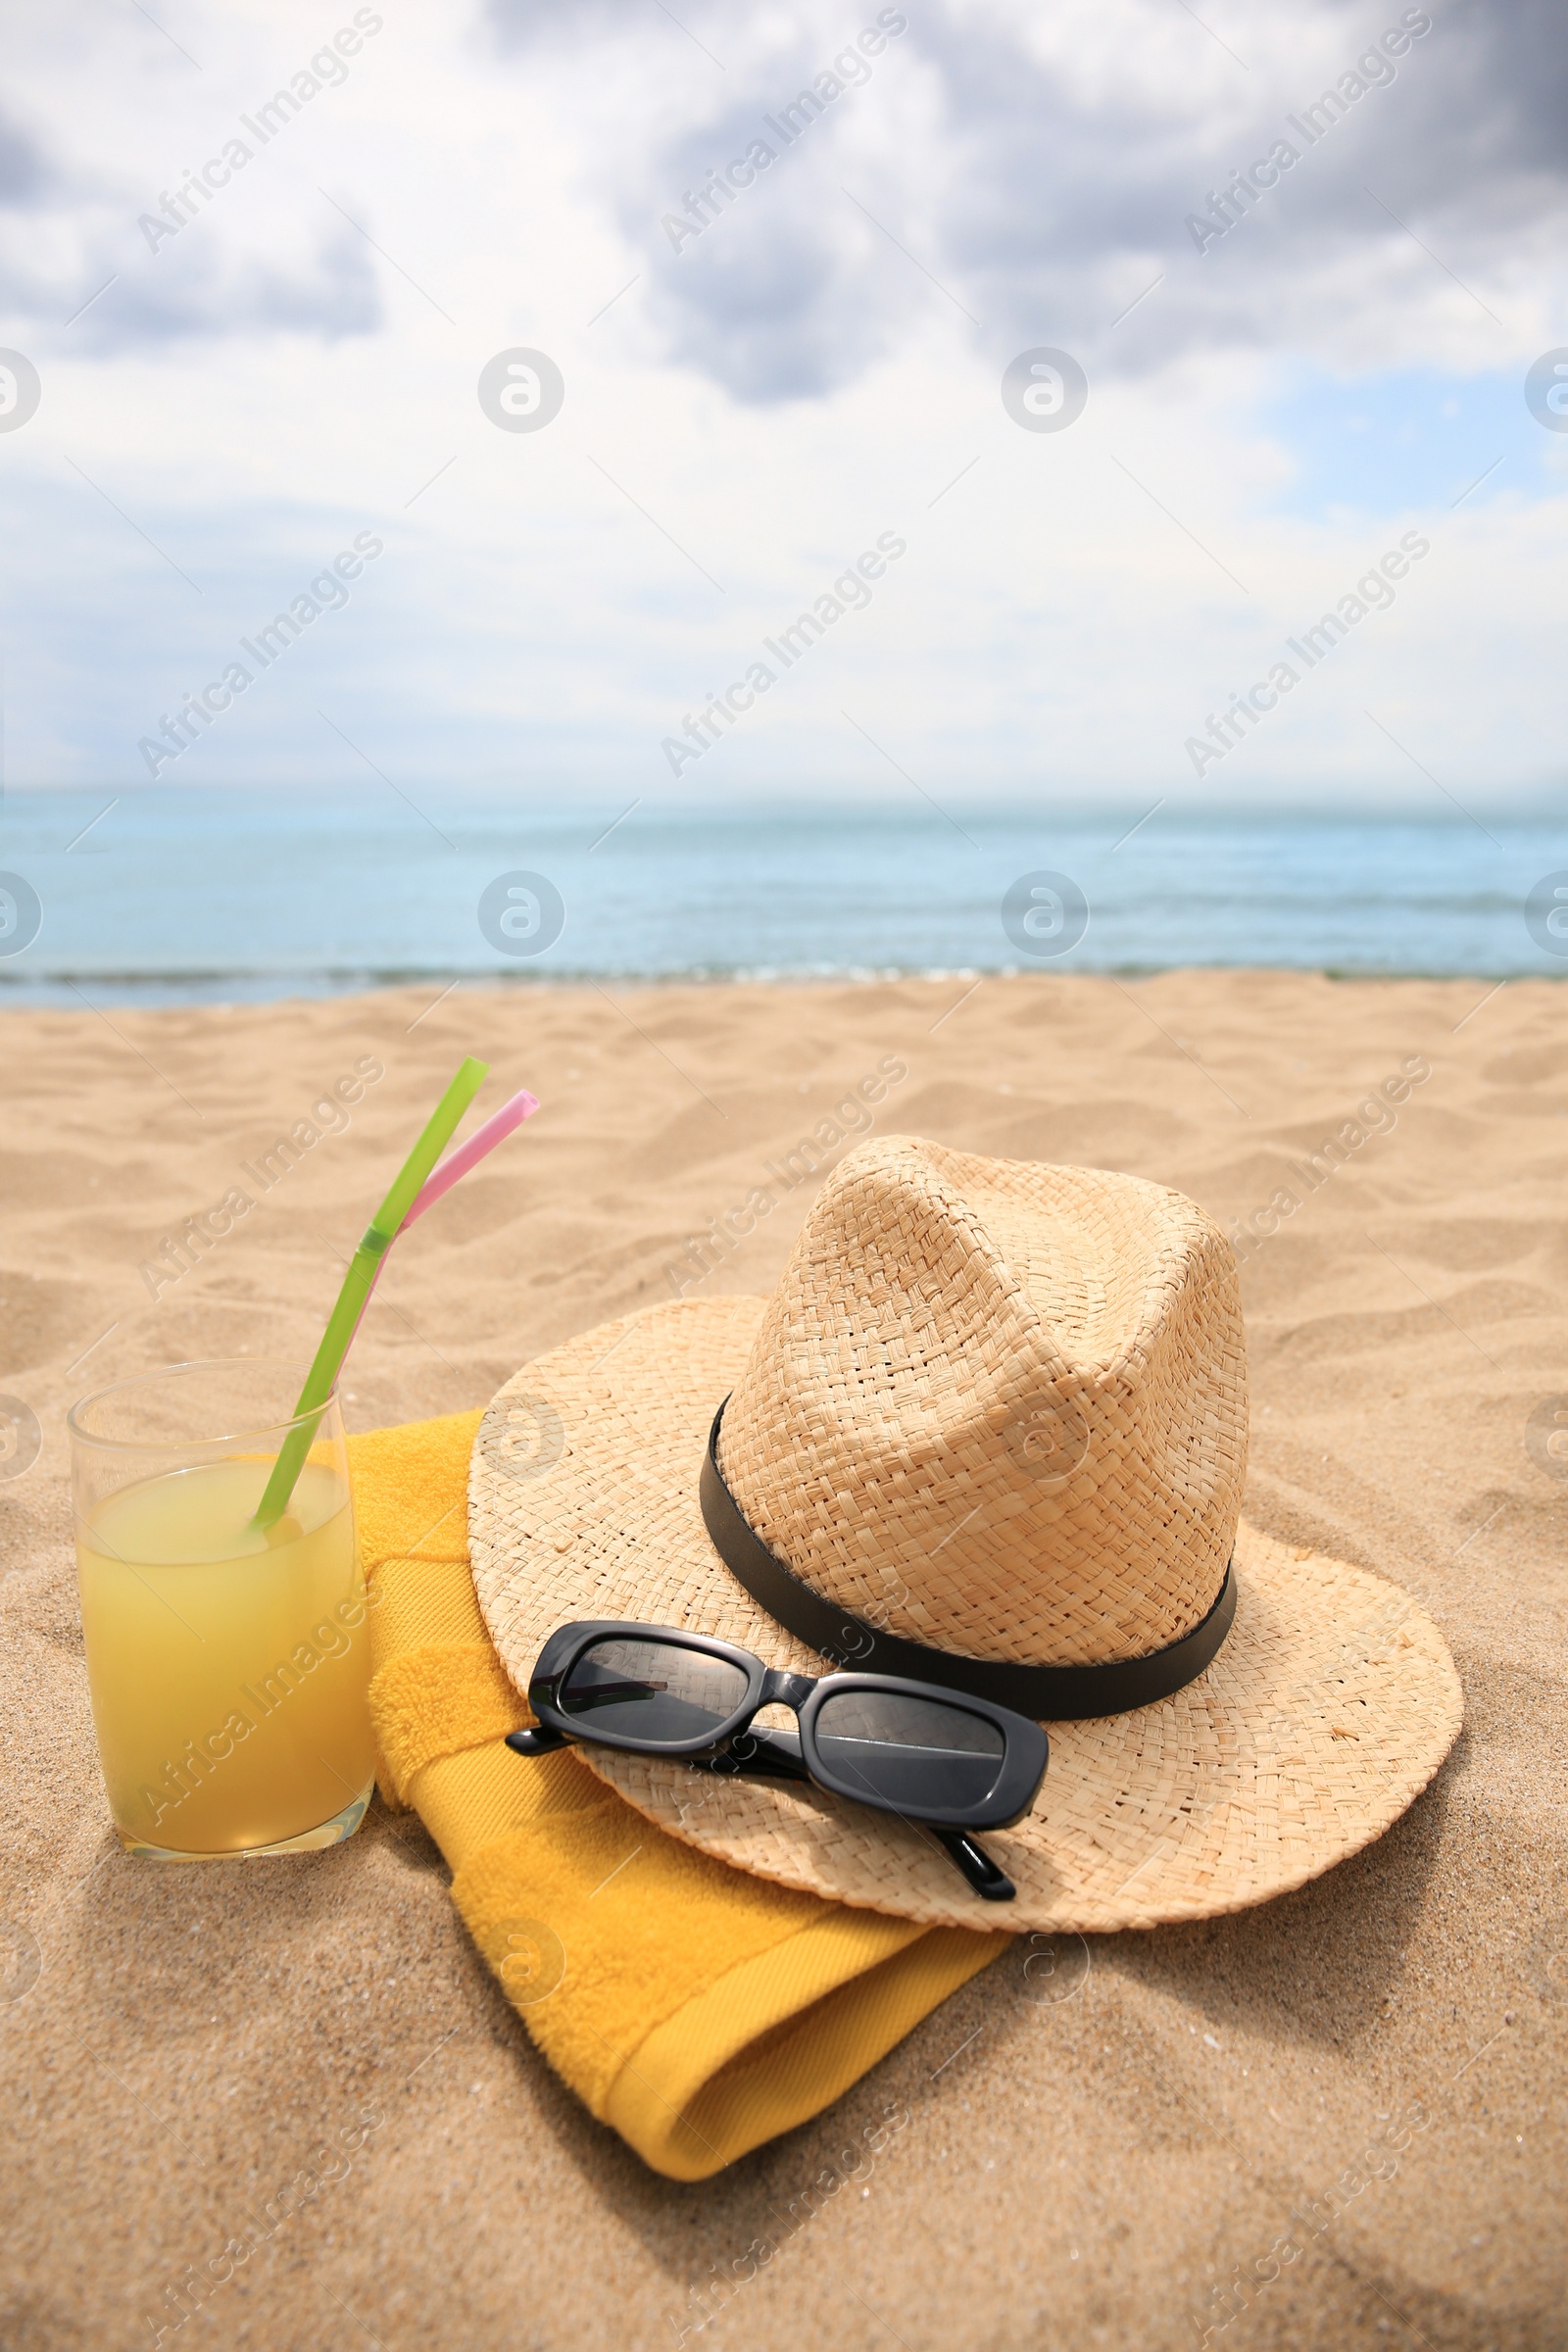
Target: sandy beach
1335, 2122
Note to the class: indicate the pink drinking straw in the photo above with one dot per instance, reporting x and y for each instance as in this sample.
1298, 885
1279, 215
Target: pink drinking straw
453, 1169
469, 1156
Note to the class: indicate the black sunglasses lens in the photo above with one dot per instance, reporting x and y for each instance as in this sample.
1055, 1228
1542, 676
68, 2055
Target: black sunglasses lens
651, 1690
913, 1753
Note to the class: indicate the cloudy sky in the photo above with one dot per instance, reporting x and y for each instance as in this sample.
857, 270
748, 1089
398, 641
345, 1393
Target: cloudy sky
767, 373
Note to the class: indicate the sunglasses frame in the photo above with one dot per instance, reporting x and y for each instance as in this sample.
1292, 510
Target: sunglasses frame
1025, 1748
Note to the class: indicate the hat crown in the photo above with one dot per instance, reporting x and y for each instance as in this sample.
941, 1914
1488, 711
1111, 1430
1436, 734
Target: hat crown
999, 1407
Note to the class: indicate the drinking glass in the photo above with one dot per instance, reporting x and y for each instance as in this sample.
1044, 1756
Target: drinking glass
228, 1664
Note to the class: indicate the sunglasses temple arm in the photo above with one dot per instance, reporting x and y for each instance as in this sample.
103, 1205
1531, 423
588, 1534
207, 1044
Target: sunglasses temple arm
768, 1760
979, 1872
536, 1741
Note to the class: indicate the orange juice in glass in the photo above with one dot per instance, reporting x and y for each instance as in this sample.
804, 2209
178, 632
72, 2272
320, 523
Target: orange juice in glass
229, 1663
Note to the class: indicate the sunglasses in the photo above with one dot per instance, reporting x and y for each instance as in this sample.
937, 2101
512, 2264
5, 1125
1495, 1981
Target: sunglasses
940, 1760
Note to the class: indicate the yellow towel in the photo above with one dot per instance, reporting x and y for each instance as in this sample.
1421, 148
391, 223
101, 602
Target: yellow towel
694, 2009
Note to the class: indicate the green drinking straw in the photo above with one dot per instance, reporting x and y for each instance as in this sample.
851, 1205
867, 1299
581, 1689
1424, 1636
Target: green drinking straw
357, 1285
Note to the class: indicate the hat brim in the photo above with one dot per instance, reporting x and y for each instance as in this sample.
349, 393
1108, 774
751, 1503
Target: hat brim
1330, 1706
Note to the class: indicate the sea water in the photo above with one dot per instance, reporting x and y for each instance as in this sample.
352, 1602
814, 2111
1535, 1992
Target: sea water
164, 897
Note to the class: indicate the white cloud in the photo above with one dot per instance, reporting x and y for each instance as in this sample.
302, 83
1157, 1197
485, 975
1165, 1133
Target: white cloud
816, 367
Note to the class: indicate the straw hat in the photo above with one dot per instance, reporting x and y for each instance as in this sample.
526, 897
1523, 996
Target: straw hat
996, 1410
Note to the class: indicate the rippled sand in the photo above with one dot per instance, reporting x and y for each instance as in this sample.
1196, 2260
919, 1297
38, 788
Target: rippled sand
1335, 2122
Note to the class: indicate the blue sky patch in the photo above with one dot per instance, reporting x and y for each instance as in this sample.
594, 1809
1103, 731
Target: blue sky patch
1410, 438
